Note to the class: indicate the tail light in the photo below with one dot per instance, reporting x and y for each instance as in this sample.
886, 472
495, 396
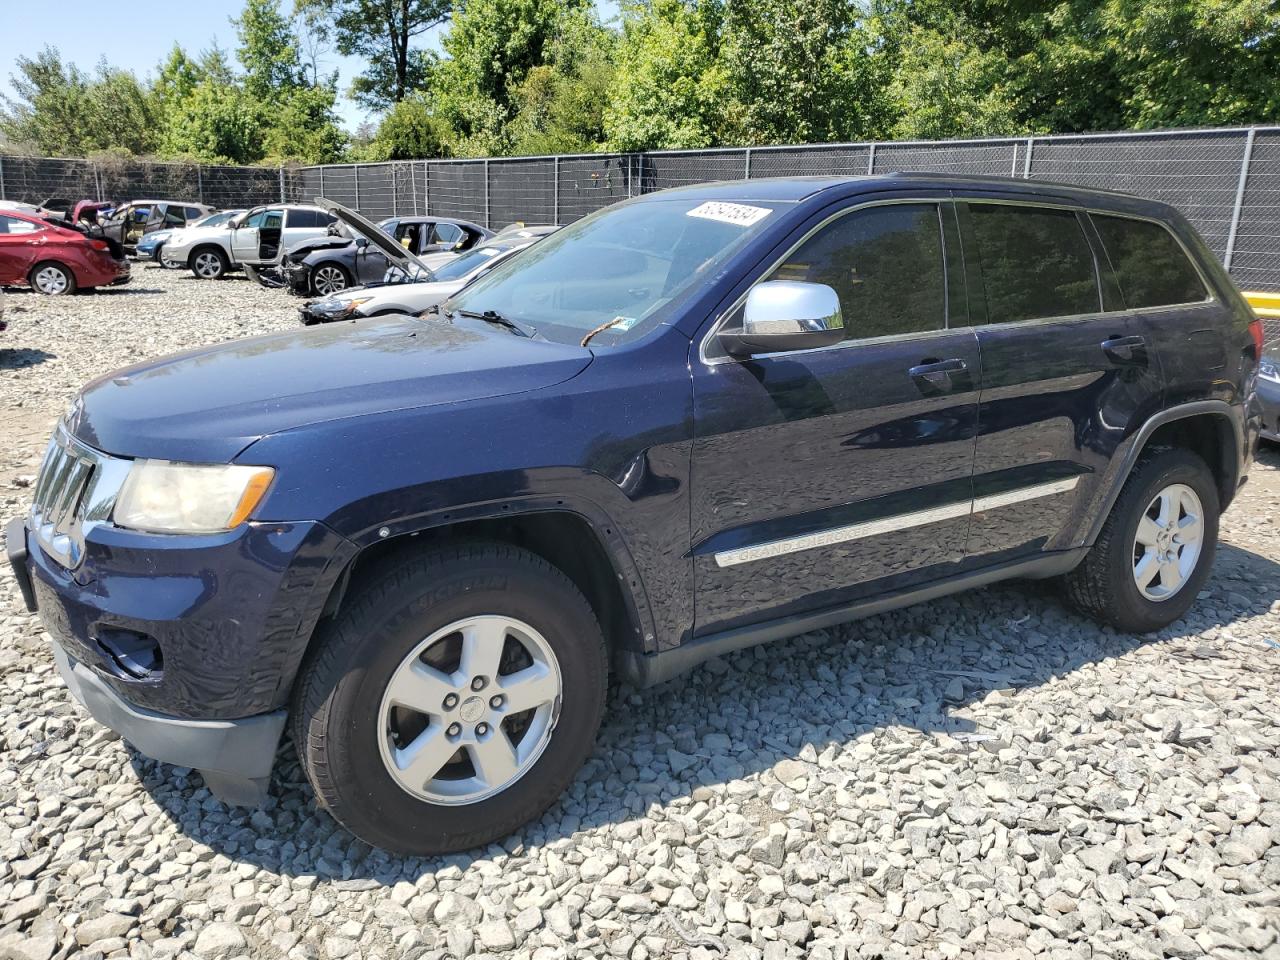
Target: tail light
1255, 331
100, 245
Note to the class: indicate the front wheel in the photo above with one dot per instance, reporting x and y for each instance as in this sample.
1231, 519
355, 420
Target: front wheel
452, 700
329, 278
209, 263
1156, 548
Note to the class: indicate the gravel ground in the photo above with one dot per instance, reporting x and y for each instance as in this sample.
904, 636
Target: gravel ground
987, 775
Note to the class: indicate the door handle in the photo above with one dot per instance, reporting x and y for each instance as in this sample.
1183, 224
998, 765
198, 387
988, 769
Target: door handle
934, 376
1125, 350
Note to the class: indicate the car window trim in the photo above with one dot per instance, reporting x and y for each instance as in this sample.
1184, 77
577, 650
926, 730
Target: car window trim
937, 200
1210, 296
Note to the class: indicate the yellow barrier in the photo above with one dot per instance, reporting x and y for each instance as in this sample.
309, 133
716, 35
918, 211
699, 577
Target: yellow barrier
1265, 305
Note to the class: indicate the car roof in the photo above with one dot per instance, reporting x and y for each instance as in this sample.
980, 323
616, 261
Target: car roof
795, 189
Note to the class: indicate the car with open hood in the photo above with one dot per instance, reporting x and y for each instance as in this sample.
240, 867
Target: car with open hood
693, 422
331, 264
253, 239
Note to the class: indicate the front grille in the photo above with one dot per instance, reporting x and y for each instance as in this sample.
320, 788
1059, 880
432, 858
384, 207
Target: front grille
76, 486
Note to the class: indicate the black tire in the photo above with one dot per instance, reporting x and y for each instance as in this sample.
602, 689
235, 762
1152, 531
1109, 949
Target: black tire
208, 263
1103, 585
335, 711
46, 268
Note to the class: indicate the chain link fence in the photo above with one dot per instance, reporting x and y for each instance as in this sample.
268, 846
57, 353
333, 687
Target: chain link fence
1226, 181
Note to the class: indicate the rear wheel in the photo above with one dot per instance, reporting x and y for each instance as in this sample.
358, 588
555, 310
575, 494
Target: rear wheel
329, 278
52, 279
453, 700
209, 263
1156, 548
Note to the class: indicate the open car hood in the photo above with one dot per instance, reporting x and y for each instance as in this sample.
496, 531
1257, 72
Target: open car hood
398, 255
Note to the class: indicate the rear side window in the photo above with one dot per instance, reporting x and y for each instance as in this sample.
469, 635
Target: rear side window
12, 225
304, 218
1150, 264
1036, 262
885, 263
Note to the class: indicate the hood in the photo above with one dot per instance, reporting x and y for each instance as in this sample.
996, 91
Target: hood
391, 249
300, 250
207, 405
192, 234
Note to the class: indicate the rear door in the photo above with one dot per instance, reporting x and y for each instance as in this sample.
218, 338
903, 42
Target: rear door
820, 476
1067, 372
19, 244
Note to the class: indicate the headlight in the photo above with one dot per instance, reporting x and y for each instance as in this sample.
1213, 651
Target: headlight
1268, 370
338, 309
164, 497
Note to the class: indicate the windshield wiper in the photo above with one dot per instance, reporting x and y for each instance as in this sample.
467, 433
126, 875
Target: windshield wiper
494, 317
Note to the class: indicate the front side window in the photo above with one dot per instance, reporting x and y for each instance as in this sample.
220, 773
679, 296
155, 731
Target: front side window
628, 266
175, 217
885, 264
1036, 262
1150, 264
254, 220
273, 220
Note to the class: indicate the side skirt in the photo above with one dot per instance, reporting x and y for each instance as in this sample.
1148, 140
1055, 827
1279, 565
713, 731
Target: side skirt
646, 670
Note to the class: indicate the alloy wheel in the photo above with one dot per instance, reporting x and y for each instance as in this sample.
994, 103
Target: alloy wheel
51, 280
470, 710
208, 266
1168, 542
329, 280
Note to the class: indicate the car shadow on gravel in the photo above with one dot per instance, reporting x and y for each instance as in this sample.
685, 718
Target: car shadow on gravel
14, 359
894, 679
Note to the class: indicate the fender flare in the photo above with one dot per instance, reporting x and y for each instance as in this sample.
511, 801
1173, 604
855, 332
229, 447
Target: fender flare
1138, 442
631, 583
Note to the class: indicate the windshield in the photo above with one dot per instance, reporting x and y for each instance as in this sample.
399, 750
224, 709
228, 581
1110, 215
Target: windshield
627, 263
216, 219
465, 264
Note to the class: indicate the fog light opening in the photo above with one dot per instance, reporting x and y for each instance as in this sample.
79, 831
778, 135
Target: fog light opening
134, 655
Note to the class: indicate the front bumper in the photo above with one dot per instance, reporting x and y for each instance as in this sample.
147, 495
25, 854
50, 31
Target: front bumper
297, 277
234, 756
225, 620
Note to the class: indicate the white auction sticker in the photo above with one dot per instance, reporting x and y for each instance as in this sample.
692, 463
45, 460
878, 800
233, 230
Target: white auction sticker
739, 214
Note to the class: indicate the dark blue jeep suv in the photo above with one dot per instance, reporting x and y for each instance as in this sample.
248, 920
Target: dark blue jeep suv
692, 422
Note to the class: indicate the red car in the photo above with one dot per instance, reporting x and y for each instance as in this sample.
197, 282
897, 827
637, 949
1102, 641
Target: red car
56, 258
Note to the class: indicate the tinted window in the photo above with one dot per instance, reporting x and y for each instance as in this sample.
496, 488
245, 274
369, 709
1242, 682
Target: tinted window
1150, 264
175, 216
304, 218
194, 213
1035, 262
885, 263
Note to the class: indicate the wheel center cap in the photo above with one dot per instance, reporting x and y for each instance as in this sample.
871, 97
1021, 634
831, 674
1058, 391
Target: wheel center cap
472, 709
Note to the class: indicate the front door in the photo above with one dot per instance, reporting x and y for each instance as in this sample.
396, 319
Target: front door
1067, 373
244, 238
823, 475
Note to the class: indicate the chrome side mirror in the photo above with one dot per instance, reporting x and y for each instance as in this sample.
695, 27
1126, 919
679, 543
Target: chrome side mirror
786, 315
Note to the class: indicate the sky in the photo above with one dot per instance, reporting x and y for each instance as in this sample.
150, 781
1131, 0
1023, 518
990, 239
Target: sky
137, 34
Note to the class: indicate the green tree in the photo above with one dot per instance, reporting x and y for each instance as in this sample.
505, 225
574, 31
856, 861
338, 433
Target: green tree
49, 108
217, 123
381, 31
268, 50
670, 86
410, 131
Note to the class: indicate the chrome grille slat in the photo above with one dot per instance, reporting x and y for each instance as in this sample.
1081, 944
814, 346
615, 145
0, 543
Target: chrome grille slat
74, 481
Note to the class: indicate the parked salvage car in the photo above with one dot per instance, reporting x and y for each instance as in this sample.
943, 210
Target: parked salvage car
414, 287
56, 257
130, 222
151, 246
695, 421
327, 265
253, 239
1269, 395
